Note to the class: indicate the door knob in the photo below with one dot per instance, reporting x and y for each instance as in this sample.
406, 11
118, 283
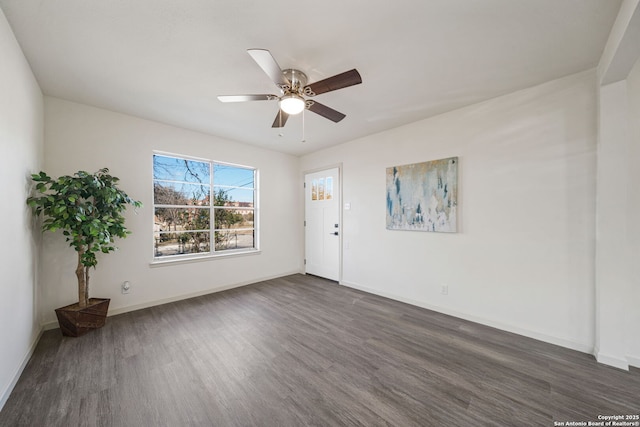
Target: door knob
335, 233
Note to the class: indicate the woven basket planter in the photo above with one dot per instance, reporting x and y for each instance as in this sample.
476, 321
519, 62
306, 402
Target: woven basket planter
75, 321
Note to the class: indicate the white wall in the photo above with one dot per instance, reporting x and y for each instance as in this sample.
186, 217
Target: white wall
633, 216
20, 155
613, 279
523, 257
618, 236
82, 137
617, 341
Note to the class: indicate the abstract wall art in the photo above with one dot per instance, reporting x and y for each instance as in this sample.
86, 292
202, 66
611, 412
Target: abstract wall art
423, 196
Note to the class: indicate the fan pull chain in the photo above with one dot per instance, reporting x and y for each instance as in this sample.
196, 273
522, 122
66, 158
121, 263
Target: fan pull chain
303, 140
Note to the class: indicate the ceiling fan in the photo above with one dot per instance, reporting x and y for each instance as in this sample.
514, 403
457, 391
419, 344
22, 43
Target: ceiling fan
293, 85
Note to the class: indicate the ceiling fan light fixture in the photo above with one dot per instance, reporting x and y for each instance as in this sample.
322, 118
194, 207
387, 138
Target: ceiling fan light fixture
292, 104
292, 85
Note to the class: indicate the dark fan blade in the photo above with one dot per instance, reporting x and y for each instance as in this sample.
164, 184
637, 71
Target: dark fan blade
243, 98
339, 81
269, 65
281, 119
326, 112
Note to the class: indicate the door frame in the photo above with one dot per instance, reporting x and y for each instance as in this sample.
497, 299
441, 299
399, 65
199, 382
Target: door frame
340, 218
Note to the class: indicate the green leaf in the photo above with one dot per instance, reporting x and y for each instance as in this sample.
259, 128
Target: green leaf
88, 208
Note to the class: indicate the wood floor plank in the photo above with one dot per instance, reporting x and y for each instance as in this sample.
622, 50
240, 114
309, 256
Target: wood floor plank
304, 351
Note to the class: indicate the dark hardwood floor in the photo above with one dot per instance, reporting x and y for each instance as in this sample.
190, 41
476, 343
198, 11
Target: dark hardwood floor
300, 351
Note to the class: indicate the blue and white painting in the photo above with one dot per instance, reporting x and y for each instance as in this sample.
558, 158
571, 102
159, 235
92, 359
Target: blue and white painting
423, 196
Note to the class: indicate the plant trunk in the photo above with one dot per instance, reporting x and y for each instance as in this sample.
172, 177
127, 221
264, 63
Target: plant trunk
82, 273
86, 283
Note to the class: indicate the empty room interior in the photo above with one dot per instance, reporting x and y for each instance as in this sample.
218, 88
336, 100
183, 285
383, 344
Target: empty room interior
409, 213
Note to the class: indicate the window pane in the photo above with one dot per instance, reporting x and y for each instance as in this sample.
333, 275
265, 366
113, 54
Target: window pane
181, 219
234, 239
183, 206
233, 176
233, 197
233, 218
171, 193
181, 243
173, 169
328, 188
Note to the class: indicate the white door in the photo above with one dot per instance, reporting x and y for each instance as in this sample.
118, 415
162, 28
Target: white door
322, 223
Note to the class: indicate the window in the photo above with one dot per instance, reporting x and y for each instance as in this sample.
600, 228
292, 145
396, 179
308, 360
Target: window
202, 207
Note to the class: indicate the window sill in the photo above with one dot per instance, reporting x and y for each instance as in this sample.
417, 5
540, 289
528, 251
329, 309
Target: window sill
159, 262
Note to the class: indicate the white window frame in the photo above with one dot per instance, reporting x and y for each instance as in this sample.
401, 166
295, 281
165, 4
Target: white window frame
212, 254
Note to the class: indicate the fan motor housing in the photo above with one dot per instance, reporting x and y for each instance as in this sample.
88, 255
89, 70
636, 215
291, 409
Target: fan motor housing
297, 78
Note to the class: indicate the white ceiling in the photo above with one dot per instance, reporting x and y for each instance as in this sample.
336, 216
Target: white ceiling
167, 60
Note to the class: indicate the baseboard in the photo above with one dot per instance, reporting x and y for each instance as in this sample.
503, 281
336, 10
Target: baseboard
607, 359
121, 310
634, 361
476, 319
4, 396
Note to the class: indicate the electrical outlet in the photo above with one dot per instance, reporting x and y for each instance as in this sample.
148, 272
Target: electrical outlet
126, 287
444, 290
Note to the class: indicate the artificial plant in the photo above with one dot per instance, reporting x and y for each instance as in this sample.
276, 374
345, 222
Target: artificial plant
88, 208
